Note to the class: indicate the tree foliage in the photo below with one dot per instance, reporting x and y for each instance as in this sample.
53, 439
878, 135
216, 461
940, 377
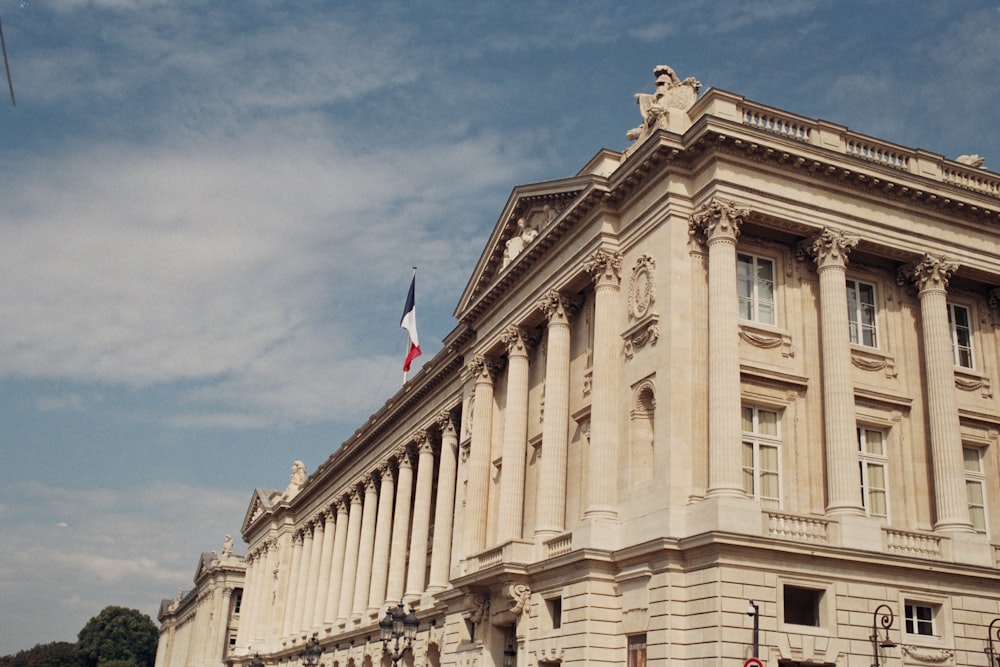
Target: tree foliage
56, 654
120, 636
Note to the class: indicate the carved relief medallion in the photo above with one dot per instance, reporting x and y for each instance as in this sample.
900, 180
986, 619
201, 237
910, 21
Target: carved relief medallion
642, 287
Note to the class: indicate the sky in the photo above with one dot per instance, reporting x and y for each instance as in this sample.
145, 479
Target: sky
209, 215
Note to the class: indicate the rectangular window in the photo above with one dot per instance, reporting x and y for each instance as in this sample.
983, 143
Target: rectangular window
861, 313
554, 606
755, 283
637, 650
873, 463
761, 448
237, 602
961, 334
802, 605
975, 482
919, 619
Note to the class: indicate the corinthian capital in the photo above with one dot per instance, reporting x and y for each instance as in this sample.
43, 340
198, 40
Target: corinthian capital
604, 267
717, 219
557, 307
482, 368
516, 339
829, 248
929, 272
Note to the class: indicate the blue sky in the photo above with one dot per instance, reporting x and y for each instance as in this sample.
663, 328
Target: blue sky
209, 211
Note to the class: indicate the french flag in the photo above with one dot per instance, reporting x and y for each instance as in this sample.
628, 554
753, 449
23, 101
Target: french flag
409, 322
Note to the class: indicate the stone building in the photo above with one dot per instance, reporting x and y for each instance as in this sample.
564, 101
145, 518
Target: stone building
737, 376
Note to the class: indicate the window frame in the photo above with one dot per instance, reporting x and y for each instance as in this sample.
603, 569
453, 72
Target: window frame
976, 477
913, 622
856, 311
954, 330
753, 299
756, 439
868, 460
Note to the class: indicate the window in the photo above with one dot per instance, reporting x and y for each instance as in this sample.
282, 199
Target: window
554, 606
755, 283
919, 618
974, 487
237, 602
637, 650
760, 456
873, 463
802, 605
861, 313
961, 334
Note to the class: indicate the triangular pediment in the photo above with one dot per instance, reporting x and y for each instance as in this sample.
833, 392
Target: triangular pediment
204, 564
528, 218
260, 503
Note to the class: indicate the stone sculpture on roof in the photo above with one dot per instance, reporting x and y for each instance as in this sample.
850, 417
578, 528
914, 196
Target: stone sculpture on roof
296, 481
665, 109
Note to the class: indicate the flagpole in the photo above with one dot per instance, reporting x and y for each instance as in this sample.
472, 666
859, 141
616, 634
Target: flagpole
406, 348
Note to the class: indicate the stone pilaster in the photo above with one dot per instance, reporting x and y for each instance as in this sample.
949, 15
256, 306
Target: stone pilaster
931, 275
243, 637
719, 224
445, 505
551, 494
829, 249
604, 266
383, 536
366, 550
400, 529
515, 435
477, 490
420, 533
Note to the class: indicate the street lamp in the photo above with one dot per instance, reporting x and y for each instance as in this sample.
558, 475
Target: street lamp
312, 652
754, 610
883, 618
509, 656
257, 661
398, 627
994, 631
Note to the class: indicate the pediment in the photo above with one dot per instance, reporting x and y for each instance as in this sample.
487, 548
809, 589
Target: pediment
531, 213
260, 503
204, 564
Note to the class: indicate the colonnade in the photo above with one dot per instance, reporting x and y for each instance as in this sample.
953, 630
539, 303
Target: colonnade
718, 223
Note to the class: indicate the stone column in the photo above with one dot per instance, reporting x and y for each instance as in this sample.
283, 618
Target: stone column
420, 533
222, 624
312, 584
515, 436
243, 634
719, 223
287, 626
551, 494
445, 504
263, 616
829, 249
350, 572
302, 585
604, 266
383, 536
478, 487
337, 563
365, 550
326, 559
931, 275
400, 529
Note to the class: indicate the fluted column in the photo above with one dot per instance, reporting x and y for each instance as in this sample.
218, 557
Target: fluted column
222, 623
400, 529
416, 572
829, 249
551, 493
263, 616
337, 563
719, 224
365, 549
445, 504
383, 537
312, 583
478, 486
604, 266
243, 636
349, 578
287, 625
302, 585
325, 560
931, 275
515, 436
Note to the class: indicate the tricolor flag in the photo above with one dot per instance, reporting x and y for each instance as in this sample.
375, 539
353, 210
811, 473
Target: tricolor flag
409, 322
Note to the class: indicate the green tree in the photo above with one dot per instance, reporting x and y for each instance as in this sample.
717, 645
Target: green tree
118, 635
56, 654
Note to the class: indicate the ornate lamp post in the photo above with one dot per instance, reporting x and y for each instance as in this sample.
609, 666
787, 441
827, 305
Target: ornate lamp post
398, 627
883, 618
312, 652
994, 631
509, 656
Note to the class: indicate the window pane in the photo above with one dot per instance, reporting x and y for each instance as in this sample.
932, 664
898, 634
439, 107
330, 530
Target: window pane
767, 422
971, 457
747, 420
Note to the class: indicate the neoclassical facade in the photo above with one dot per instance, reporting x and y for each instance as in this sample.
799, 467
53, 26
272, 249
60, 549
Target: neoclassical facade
737, 376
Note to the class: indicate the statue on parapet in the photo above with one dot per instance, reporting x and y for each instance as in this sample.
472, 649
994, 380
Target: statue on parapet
227, 546
296, 481
665, 109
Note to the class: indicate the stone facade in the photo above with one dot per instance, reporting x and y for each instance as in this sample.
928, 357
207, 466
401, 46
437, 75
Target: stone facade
750, 358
